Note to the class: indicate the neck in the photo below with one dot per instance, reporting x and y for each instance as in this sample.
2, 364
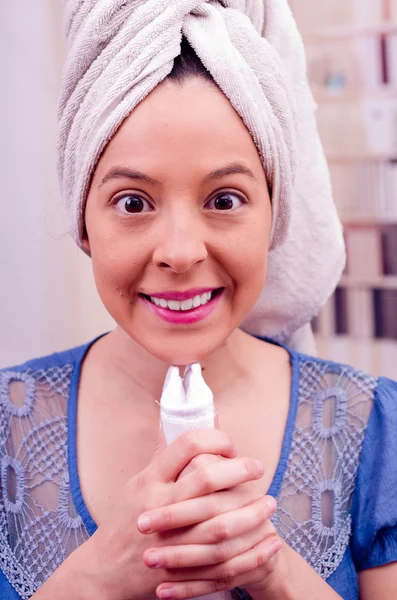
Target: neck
124, 358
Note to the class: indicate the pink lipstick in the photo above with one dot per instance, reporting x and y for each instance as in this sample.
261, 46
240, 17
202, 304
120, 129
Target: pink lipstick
183, 317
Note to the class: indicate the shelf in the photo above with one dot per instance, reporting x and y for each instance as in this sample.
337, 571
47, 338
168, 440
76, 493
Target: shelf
346, 31
385, 282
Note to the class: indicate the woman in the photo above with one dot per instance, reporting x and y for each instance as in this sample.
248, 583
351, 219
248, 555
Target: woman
177, 187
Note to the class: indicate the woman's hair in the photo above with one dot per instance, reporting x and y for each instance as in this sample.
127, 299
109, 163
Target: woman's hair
188, 65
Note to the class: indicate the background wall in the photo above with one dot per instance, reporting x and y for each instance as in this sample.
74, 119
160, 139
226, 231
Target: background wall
47, 297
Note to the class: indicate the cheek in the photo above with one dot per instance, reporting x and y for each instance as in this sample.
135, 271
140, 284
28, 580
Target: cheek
117, 266
248, 253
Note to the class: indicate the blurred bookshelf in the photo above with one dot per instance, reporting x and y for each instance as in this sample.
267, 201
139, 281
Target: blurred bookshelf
351, 48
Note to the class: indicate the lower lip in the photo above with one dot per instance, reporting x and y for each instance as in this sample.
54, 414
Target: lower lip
184, 317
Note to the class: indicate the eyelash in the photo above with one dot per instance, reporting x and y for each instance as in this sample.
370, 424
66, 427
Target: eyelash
218, 195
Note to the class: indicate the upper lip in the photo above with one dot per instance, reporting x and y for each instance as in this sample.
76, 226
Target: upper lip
180, 296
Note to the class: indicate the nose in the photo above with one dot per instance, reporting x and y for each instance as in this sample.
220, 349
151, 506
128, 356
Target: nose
180, 244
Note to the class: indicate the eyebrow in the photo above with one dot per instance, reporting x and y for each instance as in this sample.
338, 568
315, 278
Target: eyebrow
126, 173
232, 169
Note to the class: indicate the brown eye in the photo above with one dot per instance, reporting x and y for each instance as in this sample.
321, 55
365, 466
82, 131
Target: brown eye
225, 201
133, 204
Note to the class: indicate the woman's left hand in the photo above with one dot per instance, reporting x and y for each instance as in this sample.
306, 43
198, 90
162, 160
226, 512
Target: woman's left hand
229, 539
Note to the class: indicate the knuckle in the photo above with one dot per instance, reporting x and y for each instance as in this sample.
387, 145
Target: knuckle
221, 552
189, 591
261, 559
221, 530
214, 507
204, 480
199, 461
176, 559
167, 516
220, 585
190, 443
228, 574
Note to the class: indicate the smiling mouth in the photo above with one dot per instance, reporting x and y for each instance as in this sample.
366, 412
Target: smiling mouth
184, 305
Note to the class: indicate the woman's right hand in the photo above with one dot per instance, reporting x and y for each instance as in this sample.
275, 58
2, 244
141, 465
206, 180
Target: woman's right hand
114, 554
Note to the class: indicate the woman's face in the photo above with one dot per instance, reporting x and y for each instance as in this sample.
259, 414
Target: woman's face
178, 221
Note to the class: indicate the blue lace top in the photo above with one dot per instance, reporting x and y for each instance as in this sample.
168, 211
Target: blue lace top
336, 481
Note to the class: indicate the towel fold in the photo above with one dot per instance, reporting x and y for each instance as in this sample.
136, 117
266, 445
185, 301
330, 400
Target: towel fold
119, 51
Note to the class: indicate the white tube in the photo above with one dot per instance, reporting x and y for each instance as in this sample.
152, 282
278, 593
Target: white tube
187, 403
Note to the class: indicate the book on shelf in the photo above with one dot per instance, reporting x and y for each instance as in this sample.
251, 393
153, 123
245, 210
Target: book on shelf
385, 303
360, 313
364, 247
340, 325
391, 58
365, 190
375, 355
389, 249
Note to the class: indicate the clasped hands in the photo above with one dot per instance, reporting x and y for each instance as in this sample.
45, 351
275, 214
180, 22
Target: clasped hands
224, 536
190, 524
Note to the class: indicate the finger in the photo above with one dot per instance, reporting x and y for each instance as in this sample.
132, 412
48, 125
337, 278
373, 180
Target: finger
200, 461
229, 525
217, 476
220, 515
239, 571
191, 556
169, 463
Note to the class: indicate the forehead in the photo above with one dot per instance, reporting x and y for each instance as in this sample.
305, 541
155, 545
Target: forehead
189, 124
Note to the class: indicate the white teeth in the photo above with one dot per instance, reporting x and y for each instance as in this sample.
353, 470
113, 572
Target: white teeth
185, 304
174, 304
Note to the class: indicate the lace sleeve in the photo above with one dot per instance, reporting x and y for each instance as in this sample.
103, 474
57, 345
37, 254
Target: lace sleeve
374, 510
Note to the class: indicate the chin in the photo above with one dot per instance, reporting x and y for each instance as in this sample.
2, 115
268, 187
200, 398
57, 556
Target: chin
181, 350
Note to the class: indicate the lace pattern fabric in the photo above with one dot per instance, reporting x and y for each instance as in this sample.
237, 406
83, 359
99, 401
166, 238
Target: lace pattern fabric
314, 501
39, 525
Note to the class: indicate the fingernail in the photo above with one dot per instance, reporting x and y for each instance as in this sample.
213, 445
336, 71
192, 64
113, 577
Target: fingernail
153, 559
166, 593
259, 466
272, 504
144, 523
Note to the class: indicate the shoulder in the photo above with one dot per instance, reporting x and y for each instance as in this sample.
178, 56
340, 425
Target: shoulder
47, 379
54, 360
346, 392
379, 392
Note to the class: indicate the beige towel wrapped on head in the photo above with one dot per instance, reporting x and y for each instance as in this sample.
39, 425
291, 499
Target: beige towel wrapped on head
121, 50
